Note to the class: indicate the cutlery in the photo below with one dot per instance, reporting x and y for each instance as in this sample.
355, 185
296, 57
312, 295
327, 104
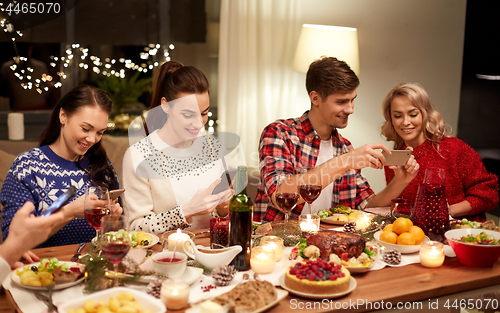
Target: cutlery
75, 257
47, 299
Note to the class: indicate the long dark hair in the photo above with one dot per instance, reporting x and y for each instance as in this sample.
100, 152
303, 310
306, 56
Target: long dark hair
172, 79
100, 172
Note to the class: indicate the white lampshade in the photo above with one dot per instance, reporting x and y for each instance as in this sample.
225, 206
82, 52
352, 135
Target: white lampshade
316, 41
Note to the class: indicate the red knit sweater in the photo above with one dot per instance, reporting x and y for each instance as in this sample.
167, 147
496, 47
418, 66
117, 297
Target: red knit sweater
466, 177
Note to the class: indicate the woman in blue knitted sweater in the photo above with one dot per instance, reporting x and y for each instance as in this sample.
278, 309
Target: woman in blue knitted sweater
70, 153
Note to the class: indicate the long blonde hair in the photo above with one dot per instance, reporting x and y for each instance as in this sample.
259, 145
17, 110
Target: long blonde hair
435, 128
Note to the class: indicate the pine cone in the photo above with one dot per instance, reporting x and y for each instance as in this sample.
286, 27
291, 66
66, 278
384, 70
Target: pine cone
154, 288
223, 274
392, 257
350, 227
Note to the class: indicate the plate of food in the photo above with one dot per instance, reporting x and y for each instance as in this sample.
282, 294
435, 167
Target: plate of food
336, 219
352, 285
140, 239
37, 276
365, 261
404, 249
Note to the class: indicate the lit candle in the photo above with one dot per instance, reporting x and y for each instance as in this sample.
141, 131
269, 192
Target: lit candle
275, 244
174, 294
432, 254
262, 260
310, 224
363, 221
177, 239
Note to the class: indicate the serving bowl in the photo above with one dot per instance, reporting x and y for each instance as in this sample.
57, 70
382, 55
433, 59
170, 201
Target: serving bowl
474, 255
404, 249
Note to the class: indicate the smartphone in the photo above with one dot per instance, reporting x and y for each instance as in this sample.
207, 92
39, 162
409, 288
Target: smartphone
114, 194
397, 157
60, 202
224, 184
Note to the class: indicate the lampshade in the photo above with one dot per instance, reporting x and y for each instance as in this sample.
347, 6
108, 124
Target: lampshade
316, 41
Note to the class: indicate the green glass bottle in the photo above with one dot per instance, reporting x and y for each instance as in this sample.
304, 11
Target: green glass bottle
240, 221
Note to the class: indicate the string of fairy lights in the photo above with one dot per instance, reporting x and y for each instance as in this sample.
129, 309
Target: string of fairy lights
76, 53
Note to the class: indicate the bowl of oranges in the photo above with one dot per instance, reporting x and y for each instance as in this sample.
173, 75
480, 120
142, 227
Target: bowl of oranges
401, 235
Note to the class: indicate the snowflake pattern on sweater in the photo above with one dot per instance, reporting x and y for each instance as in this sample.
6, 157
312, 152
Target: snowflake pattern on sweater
41, 176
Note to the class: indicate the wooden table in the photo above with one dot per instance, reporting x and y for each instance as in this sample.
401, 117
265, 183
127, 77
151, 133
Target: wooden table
388, 286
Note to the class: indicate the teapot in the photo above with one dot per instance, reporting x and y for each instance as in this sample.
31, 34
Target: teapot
210, 258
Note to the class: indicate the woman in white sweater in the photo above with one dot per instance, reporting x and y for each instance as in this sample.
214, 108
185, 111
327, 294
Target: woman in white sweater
169, 176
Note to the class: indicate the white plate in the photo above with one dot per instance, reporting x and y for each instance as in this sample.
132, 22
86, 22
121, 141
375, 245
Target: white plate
191, 274
281, 294
352, 285
156, 239
17, 280
330, 219
147, 302
404, 249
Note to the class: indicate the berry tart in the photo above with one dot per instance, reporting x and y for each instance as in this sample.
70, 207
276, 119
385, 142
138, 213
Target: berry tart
317, 277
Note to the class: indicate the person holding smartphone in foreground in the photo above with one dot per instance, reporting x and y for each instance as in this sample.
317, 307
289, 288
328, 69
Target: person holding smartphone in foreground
27, 231
313, 142
412, 121
70, 153
170, 174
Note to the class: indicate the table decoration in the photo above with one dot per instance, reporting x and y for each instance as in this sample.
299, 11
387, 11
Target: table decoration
275, 244
174, 294
431, 254
176, 238
262, 260
309, 223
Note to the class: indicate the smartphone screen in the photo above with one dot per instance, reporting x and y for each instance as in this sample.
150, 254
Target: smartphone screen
60, 202
224, 184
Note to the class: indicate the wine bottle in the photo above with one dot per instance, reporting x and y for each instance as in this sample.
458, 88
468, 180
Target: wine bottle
240, 221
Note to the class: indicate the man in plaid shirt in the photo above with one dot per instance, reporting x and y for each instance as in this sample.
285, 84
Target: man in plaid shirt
310, 146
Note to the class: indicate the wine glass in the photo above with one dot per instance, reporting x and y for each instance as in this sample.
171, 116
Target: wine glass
115, 240
309, 186
286, 197
93, 213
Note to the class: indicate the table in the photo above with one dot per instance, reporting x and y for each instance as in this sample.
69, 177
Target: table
408, 284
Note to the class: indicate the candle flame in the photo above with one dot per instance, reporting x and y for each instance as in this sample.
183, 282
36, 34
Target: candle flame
179, 231
175, 292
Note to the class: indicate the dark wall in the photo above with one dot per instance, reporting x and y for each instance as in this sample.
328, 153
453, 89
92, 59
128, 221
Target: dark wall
479, 116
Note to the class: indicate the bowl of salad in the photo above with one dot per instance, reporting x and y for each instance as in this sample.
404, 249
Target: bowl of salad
475, 247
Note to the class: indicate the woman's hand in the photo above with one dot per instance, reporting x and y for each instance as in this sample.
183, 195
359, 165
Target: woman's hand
204, 202
75, 208
116, 208
405, 174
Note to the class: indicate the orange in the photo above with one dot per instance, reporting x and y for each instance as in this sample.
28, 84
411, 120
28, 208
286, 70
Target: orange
388, 236
418, 234
402, 225
406, 239
388, 227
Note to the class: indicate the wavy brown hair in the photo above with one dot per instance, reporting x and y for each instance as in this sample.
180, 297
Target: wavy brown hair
329, 75
435, 128
100, 172
172, 79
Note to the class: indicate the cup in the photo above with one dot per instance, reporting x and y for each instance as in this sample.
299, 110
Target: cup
173, 266
401, 206
219, 232
175, 238
174, 294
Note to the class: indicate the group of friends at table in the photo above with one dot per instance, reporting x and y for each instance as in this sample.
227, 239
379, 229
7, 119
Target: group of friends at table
170, 173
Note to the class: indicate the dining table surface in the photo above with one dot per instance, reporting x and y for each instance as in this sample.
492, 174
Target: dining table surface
407, 286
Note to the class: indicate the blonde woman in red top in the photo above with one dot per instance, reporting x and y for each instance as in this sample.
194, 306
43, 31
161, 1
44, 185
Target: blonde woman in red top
412, 121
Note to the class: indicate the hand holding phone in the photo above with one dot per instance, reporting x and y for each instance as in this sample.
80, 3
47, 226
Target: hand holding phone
224, 183
397, 157
114, 194
60, 202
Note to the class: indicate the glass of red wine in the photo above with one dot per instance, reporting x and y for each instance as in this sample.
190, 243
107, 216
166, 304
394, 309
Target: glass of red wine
309, 186
115, 240
94, 210
286, 197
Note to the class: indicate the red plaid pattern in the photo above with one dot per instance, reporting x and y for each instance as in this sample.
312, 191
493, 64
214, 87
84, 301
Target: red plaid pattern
289, 145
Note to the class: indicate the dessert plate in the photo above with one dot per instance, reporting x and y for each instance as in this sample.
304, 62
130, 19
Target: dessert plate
352, 286
156, 239
17, 280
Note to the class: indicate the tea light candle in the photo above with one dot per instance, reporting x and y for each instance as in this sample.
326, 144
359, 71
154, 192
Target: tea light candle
275, 244
174, 294
177, 239
309, 224
363, 221
262, 260
432, 254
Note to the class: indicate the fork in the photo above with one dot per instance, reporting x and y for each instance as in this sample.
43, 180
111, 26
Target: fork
47, 299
